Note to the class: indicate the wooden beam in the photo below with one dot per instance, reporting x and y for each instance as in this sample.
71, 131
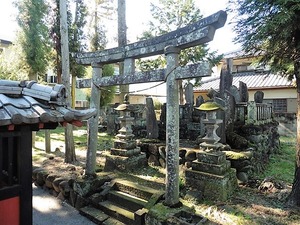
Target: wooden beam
189, 71
189, 36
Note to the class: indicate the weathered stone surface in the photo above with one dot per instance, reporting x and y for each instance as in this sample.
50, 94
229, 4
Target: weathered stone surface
93, 214
153, 160
191, 35
213, 187
80, 202
41, 177
219, 169
259, 97
234, 91
153, 149
243, 89
56, 183
64, 188
162, 151
152, 126
189, 71
190, 155
189, 94
225, 81
36, 171
49, 180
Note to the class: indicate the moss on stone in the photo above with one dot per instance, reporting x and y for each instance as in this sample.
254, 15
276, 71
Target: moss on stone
238, 155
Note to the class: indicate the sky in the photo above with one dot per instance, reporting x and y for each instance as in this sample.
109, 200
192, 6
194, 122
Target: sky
138, 14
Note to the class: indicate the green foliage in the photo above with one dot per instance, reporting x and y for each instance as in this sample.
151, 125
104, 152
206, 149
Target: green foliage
271, 29
100, 11
12, 64
77, 37
76, 23
34, 41
170, 15
157, 104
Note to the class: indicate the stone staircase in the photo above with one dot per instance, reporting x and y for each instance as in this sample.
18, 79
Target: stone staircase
121, 202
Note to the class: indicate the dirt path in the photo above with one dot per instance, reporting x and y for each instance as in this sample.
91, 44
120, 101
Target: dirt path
48, 210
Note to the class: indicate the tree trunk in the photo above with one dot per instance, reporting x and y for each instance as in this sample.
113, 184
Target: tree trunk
122, 41
69, 141
294, 197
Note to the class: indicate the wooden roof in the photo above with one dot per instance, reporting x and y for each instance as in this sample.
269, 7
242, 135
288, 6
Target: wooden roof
30, 103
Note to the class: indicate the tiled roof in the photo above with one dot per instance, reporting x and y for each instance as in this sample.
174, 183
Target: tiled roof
253, 79
31, 103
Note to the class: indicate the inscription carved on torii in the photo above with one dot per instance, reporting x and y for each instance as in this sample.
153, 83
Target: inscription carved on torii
170, 44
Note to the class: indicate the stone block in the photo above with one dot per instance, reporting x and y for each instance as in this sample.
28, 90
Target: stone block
211, 157
125, 163
220, 169
128, 144
213, 187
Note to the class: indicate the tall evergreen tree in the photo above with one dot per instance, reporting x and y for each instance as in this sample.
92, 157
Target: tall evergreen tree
101, 11
76, 43
271, 29
32, 21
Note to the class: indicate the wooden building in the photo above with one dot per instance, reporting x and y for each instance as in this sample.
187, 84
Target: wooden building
26, 107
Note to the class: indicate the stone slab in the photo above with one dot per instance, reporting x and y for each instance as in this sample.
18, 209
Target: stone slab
115, 162
211, 157
213, 187
94, 214
218, 169
125, 152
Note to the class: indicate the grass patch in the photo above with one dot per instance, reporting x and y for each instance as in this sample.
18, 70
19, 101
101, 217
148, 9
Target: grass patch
105, 141
282, 165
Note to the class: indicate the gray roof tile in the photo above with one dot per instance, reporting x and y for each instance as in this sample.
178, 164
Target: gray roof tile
253, 79
31, 103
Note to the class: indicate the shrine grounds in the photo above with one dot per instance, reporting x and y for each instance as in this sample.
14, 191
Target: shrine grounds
260, 201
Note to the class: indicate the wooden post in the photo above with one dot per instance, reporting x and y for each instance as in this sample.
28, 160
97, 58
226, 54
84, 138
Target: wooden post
69, 141
47, 141
172, 129
93, 123
25, 171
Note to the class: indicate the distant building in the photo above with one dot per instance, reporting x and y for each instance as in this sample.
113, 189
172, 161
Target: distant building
4, 44
278, 90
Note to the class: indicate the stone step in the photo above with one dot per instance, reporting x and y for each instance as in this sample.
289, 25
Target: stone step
117, 212
126, 200
135, 189
98, 216
93, 214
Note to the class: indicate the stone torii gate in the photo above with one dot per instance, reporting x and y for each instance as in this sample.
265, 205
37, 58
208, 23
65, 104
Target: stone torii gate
170, 44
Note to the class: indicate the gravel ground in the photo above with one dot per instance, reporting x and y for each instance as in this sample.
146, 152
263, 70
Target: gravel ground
48, 210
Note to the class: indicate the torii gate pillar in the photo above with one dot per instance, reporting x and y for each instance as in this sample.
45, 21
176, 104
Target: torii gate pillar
172, 128
93, 122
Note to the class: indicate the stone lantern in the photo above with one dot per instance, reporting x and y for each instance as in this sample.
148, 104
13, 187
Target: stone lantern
211, 172
125, 155
211, 140
125, 144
